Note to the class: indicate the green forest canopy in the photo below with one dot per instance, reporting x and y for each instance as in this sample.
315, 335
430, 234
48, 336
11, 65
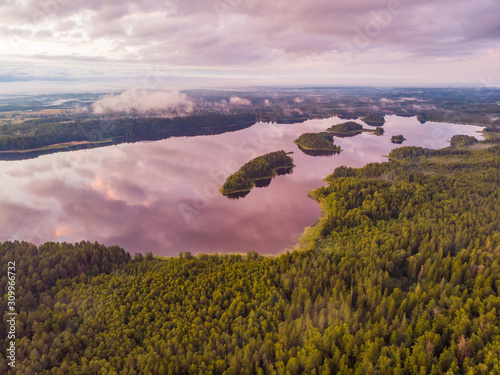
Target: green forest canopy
402, 276
346, 127
317, 141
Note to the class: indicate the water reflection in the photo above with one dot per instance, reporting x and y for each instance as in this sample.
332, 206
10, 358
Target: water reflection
260, 183
241, 194
318, 152
264, 182
347, 135
163, 196
151, 136
284, 171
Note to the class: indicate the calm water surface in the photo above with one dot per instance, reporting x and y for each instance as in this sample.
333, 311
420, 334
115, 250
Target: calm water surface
163, 197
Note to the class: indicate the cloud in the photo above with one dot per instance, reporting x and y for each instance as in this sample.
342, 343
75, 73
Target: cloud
141, 101
387, 101
16, 219
423, 107
298, 100
191, 31
236, 100
257, 35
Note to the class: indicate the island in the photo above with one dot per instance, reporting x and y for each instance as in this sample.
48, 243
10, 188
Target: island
317, 144
346, 129
463, 140
398, 139
257, 172
374, 119
351, 128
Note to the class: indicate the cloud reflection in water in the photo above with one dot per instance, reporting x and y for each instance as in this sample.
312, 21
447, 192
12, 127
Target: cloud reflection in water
133, 195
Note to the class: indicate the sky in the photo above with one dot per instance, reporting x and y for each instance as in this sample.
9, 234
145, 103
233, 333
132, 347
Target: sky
102, 45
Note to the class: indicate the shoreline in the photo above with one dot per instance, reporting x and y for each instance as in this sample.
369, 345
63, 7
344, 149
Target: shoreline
14, 155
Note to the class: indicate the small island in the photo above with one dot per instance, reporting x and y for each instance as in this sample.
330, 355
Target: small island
398, 139
374, 119
346, 129
351, 128
463, 140
257, 172
317, 144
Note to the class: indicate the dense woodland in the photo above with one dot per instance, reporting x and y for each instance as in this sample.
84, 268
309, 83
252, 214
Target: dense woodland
317, 141
401, 276
39, 133
261, 167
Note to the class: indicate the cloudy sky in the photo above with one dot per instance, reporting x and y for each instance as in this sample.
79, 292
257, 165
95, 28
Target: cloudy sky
162, 44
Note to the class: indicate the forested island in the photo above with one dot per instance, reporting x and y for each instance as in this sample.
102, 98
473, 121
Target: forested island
317, 144
262, 168
400, 275
348, 128
352, 128
398, 139
374, 119
35, 137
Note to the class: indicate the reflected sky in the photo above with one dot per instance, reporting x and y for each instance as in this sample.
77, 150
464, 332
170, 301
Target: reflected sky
163, 196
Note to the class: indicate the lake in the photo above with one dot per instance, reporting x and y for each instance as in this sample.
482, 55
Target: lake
162, 196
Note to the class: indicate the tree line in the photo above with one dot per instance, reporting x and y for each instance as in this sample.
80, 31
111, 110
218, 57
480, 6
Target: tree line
40, 133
